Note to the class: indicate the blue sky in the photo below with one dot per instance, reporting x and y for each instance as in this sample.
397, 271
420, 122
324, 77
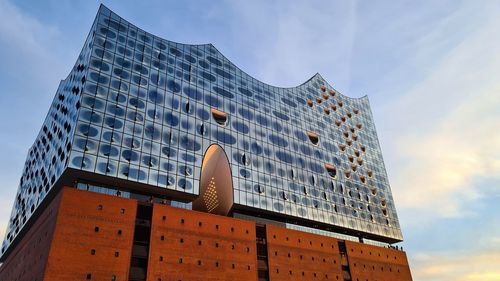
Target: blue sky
430, 69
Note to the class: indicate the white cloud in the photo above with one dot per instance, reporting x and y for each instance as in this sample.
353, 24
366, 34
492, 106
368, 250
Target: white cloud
23, 34
457, 265
447, 138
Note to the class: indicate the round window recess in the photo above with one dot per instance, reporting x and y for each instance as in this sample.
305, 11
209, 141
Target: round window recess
352, 129
340, 103
354, 168
351, 159
342, 118
313, 180
349, 114
373, 191
284, 196
325, 96
245, 159
187, 107
337, 122
347, 174
362, 147
359, 126
310, 103
354, 137
370, 174
313, 137
188, 171
327, 111
332, 93
319, 100
202, 130
355, 110
220, 117
260, 189
332, 171
346, 134
360, 161
323, 88
356, 152
325, 196
362, 178
383, 203
342, 147
349, 142
333, 107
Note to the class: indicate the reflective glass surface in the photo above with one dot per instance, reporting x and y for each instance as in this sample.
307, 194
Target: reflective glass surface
144, 109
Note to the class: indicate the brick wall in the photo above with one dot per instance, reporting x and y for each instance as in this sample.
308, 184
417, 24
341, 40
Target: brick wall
92, 238
187, 245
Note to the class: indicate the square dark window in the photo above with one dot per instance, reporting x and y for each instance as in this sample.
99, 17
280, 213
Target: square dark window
96, 229
89, 276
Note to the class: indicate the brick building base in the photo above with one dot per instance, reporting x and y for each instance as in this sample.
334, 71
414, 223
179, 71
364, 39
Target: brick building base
83, 235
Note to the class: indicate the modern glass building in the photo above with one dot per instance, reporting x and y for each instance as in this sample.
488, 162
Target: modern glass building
153, 122
138, 113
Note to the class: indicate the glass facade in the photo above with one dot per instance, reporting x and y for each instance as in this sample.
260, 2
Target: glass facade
144, 109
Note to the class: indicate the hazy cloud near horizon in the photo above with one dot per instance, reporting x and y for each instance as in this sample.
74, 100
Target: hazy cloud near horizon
429, 68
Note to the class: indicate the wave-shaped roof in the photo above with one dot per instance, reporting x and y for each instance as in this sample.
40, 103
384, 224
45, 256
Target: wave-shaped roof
316, 77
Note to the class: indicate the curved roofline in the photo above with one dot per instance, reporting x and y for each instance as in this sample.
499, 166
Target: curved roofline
102, 6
